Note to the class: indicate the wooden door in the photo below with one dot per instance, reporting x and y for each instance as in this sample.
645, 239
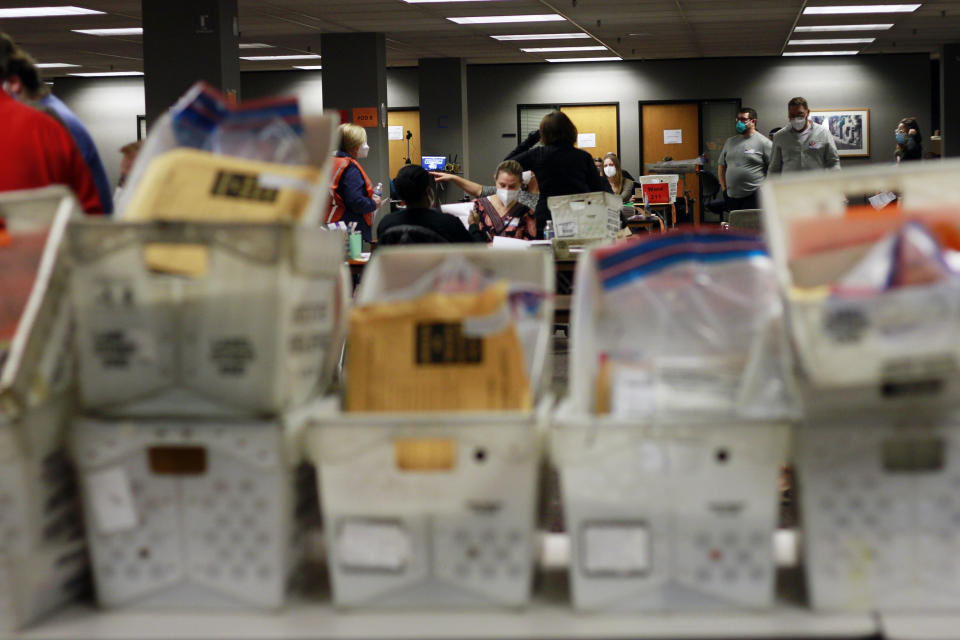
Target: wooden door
409, 120
601, 122
660, 124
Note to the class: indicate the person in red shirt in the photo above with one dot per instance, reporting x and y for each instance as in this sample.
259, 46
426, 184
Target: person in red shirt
36, 150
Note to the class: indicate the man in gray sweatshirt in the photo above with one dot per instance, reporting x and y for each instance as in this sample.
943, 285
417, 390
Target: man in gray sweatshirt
804, 145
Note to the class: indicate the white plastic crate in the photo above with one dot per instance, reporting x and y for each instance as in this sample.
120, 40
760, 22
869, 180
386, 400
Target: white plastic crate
462, 536
671, 500
862, 344
187, 513
258, 332
671, 179
880, 510
669, 517
42, 555
585, 216
457, 535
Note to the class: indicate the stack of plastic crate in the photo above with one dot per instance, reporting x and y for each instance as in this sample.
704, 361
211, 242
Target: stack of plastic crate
457, 531
197, 345
670, 443
43, 561
877, 453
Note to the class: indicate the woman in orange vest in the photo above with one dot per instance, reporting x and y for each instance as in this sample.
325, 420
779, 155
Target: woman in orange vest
351, 197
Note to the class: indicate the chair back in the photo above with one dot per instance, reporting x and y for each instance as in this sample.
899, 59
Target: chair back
410, 234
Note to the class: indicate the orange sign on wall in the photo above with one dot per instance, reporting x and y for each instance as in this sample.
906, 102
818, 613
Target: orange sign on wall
365, 117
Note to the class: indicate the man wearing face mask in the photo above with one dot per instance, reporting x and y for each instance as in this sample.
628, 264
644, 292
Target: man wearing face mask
743, 162
804, 145
352, 198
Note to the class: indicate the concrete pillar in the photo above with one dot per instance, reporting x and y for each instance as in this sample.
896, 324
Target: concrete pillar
355, 83
950, 99
443, 113
184, 42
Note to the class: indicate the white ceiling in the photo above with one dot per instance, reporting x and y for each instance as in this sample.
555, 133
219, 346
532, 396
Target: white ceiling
633, 29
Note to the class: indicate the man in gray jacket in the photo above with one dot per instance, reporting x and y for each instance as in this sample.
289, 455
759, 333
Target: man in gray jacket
804, 145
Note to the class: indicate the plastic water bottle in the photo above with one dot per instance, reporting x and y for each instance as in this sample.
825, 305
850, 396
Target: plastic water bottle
548, 233
378, 190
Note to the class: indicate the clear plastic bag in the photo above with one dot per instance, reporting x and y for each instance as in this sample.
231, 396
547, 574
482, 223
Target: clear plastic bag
687, 324
268, 131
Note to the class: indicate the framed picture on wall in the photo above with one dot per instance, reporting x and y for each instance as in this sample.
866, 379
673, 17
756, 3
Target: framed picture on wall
850, 129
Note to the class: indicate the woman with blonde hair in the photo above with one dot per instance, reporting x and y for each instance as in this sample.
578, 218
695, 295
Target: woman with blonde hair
352, 198
619, 183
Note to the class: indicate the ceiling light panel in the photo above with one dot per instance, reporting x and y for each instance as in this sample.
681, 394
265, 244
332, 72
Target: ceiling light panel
55, 65
861, 8
304, 56
313, 67
558, 49
543, 36
824, 41
820, 53
606, 59
255, 45
45, 12
107, 74
540, 17
129, 31
843, 27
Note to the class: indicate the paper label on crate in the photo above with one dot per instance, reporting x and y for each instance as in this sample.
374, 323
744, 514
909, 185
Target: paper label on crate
111, 500
616, 548
634, 393
370, 545
567, 229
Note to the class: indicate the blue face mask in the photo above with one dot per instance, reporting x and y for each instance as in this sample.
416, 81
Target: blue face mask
901, 138
741, 127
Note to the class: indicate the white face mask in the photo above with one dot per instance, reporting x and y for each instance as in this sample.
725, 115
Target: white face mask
363, 150
507, 196
526, 176
798, 123
610, 171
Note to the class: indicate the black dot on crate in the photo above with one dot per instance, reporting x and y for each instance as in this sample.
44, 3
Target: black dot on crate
480, 454
722, 455
144, 553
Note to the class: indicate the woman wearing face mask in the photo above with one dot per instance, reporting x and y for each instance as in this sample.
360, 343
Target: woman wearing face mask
353, 199
502, 214
908, 140
619, 183
528, 190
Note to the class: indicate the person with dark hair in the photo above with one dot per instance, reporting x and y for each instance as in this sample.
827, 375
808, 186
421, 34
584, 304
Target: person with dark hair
419, 222
598, 163
743, 162
909, 145
560, 168
23, 81
503, 214
804, 145
37, 150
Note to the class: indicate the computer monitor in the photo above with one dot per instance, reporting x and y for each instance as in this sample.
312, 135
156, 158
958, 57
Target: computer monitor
433, 163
